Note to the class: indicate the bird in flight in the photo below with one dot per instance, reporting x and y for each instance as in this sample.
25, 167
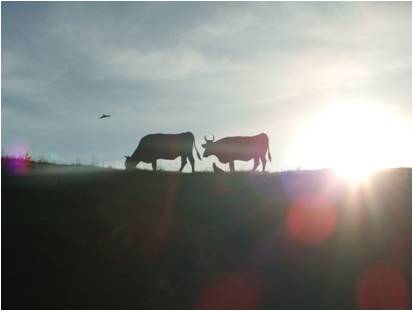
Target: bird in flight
104, 116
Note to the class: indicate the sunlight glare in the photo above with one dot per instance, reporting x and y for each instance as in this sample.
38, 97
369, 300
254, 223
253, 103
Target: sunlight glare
354, 139
354, 173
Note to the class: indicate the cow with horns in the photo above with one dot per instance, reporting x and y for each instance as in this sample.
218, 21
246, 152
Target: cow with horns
164, 146
244, 148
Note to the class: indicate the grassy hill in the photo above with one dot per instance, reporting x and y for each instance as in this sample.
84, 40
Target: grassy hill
116, 239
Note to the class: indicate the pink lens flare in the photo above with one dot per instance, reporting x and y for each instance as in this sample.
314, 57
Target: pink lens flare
311, 220
230, 292
16, 160
18, 150
16, 166
382, 286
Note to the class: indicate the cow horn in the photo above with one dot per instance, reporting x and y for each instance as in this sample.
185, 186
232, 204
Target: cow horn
209, 140
206, 140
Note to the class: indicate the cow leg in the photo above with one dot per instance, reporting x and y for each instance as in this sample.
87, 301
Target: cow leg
183, 163
154, 165
192, 162
231, 166
264, 162
256, 163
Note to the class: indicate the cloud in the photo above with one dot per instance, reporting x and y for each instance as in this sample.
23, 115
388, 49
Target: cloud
222, 68
132, 64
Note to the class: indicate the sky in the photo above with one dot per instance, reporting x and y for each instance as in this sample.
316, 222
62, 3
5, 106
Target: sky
212, 68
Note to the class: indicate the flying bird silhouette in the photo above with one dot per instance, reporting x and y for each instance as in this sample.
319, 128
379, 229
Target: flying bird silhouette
104, 116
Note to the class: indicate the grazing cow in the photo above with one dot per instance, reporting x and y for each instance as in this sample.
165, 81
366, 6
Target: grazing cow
216, 169
243, 148
164, 146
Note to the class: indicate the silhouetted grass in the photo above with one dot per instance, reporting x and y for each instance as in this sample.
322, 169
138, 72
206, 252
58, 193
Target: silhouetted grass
119, 239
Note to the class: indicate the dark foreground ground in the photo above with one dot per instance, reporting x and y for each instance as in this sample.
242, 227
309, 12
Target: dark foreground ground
115, 239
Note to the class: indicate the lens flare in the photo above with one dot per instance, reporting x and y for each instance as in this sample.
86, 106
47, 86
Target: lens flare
382, 287
230, 292
311, 220
18, 166
354, 173
17, 160
354, 138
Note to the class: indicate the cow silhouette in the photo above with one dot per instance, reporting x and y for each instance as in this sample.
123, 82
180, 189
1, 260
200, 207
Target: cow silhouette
164, 146
216, 169
244, 148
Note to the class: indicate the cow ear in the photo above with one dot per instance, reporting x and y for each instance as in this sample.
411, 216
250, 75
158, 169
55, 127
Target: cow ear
126, 157
203, 145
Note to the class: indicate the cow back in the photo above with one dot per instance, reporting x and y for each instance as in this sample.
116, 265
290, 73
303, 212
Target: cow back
165, 146
241, 147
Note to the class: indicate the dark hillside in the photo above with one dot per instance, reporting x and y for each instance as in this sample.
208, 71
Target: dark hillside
117, 239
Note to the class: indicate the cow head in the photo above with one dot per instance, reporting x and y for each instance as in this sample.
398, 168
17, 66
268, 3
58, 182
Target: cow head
130, 163
208, 146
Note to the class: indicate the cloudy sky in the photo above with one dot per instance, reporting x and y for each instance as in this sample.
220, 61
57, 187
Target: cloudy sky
210, 68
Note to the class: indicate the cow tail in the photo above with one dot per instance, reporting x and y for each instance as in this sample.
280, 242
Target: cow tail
269, 153
197, 153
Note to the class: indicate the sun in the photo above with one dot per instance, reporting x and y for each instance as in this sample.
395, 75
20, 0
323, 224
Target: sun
354, 139
354, 173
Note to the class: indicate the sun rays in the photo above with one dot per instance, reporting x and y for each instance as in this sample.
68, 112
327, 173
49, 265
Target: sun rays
354, 139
